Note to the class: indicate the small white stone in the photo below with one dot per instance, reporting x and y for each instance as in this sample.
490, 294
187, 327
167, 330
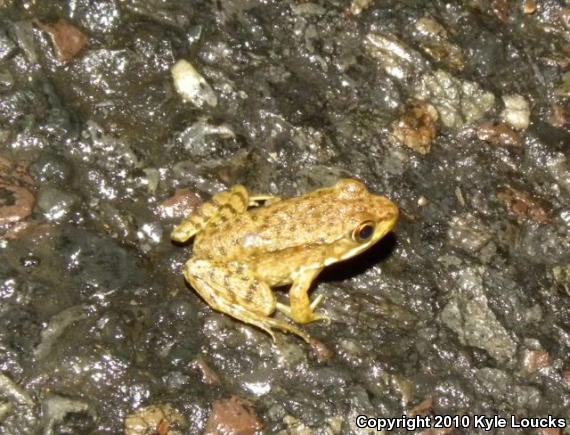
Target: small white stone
423, 201
517, 111
191, 86
357, 6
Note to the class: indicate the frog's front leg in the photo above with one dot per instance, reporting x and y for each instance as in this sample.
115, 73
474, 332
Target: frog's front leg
230, 287
222, 206
301, 310
266, 199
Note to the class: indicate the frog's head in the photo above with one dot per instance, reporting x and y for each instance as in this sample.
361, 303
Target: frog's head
366, 218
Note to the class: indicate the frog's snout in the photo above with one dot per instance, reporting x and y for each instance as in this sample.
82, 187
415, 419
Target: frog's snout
387, 215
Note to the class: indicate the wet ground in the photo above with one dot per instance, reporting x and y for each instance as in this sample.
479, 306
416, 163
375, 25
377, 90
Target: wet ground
456, 111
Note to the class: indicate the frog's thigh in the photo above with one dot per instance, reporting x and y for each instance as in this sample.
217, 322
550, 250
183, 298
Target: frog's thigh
221, 207
222, 283
232, 289
301, 310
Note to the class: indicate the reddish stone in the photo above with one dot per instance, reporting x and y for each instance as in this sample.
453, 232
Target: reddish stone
233, 416
68, 41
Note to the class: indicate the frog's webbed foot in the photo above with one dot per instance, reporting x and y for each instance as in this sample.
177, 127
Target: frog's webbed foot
286, 309
221, 207
231, 288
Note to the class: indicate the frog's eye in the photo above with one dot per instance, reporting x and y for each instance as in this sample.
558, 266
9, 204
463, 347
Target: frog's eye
363, 232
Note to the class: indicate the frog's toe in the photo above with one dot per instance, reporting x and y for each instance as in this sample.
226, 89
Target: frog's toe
282, 308
311, 317
286, 309
306, 314
183, 232
317, 317
317, 302
286, 327
263, 326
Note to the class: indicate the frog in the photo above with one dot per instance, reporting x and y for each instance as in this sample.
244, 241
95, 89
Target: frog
247, 245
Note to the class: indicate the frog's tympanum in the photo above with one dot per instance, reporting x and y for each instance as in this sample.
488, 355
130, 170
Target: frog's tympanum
243, 248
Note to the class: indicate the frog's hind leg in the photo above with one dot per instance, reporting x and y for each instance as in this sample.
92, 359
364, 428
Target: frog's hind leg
223, 206
232, 289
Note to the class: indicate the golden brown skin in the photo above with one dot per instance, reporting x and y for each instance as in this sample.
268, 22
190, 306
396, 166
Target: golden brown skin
240, 253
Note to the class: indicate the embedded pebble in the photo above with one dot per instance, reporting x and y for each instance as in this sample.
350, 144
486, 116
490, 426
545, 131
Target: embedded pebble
522, 205
468, 314
534, 360
295, 427
396, 57
9, 389
50, 168
469, 233
54, 203
159, 419
23, 33
17, 405
68, 41
180, 205
56, 327
194, 137
416, 128
57, 408
529, 7
498, 135
357, 6
16, 203
233, 416
16, 198
308, 9
517, 112
191, 86
434, 40
458, 102
207, 373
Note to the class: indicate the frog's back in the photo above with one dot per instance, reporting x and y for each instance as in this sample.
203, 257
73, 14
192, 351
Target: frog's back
316, 218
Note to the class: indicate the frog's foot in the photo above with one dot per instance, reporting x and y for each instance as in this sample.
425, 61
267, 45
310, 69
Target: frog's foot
301, 309
231, 288
254, 201
286, 309
220, 208
308, 317
316, 302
